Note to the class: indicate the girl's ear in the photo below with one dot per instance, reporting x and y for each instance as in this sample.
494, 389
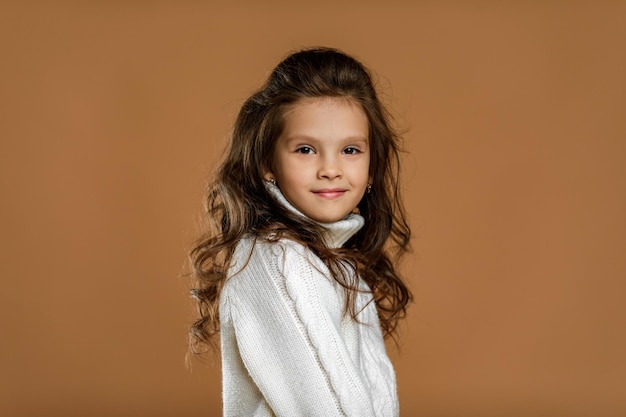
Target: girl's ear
269, 176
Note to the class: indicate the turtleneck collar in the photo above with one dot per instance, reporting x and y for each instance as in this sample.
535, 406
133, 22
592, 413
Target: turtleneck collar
337, 233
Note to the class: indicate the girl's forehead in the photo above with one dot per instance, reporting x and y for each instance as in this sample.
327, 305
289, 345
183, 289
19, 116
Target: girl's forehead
328, 117
341, 101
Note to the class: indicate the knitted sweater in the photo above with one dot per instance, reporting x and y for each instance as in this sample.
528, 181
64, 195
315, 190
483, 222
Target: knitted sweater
288, 349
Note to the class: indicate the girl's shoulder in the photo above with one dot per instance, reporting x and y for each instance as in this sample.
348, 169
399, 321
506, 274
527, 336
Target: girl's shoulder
270, 246
274, 257
280, 269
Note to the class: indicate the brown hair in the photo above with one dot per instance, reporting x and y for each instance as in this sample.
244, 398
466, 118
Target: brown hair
238, 203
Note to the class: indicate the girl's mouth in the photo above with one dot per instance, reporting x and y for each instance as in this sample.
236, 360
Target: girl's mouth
330, 193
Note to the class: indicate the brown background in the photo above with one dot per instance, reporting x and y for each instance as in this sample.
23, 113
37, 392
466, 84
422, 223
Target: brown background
114, 113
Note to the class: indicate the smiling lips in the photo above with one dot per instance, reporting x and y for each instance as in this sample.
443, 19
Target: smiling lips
330, 193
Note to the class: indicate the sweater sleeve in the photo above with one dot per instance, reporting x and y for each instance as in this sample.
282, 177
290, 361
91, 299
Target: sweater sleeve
287, 318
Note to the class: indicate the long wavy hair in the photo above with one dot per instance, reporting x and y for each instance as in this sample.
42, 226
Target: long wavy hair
239, 205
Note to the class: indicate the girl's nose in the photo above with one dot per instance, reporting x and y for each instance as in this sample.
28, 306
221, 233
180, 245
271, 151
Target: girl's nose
329, 169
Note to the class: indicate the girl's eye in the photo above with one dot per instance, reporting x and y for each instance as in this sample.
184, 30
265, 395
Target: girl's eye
351, 150
305, 150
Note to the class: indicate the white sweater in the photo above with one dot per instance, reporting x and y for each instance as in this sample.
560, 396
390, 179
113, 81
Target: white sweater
287, 347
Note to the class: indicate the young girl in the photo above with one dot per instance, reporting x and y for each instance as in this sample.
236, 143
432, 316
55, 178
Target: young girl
297, 271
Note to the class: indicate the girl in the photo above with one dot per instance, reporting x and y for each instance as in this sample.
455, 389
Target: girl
297, 269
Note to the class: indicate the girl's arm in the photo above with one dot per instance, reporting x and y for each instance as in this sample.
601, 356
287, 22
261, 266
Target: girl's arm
287, 318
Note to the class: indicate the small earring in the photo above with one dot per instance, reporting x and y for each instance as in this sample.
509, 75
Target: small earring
272, 181
369, 188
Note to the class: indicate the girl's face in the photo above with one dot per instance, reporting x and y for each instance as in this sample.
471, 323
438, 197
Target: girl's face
321, 159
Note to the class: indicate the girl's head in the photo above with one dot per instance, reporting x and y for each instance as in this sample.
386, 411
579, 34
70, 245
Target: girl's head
308, 79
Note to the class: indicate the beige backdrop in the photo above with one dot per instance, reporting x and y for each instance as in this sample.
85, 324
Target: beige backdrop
114, 113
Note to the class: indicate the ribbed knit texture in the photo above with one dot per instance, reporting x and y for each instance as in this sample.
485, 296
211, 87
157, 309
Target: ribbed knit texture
288, 349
